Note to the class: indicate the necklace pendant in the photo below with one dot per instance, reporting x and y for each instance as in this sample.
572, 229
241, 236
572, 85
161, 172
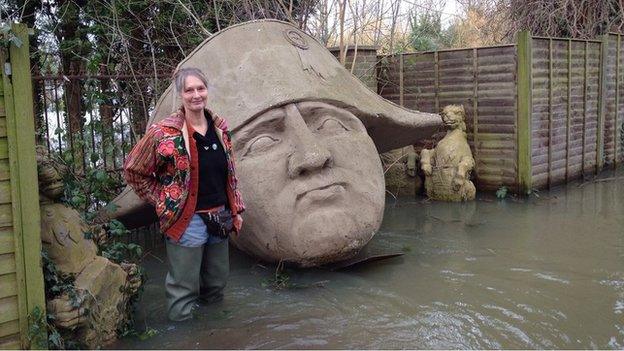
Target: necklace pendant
214, 146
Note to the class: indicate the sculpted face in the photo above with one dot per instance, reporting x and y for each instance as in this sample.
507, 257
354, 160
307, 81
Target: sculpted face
312, 181
453, 116
309, 172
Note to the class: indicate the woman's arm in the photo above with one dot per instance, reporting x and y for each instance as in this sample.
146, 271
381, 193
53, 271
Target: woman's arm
140, 168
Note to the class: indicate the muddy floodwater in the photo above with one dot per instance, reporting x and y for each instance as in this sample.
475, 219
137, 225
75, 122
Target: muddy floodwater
542, 272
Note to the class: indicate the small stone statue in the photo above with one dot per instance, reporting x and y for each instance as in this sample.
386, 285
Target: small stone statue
103, 288
447, 167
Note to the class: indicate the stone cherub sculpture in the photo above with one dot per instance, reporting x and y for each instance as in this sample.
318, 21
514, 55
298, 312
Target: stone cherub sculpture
103, 288
307, 136
447, 167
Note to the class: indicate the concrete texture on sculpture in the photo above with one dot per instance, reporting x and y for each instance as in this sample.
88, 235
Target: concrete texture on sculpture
447, 167
103, 288
306, 137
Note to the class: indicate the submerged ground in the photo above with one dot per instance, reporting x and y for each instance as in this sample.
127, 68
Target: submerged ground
544, 272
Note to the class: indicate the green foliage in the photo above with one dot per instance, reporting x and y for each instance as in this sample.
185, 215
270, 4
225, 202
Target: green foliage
7, 37
85, 193
121, 252
37, 329
57, 283
280, 279
144, 335
427, 33
115, 249
40, 325
501, 193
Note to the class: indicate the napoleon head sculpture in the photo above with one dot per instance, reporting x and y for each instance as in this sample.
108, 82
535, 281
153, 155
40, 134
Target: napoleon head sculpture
307, 136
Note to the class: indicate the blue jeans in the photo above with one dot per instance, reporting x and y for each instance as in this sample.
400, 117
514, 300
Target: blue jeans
196, 234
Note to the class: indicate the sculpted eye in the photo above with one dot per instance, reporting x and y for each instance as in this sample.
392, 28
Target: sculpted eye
260, 143
332, 125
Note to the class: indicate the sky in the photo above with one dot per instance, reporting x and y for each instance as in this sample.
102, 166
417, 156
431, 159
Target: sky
449, 12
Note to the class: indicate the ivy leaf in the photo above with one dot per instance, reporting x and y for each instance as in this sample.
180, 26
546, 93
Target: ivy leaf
94, 157
16, 41
100, 175
111, 207
501, 193
55, 339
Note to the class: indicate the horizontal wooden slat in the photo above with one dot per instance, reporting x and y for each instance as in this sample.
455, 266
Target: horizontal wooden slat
4, 148
6, 215
9, 328
3, 130
8, 309
4, 169
11, 342
8, 285
7, 263
5, 191
7, 245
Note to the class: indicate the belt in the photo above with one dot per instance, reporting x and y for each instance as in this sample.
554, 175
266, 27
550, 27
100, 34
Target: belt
211, 209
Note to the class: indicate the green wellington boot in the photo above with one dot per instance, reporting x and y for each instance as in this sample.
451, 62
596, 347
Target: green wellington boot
182, 282
215, 269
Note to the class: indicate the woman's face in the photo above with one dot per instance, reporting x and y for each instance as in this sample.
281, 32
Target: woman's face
195, 94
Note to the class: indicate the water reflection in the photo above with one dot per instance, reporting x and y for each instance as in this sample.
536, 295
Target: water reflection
546, 272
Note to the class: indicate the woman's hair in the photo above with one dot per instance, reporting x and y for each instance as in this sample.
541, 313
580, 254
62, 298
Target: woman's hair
180, 77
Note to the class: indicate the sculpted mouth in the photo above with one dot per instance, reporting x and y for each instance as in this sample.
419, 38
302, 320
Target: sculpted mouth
323, 192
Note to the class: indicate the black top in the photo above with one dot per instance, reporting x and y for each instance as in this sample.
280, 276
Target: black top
212, 165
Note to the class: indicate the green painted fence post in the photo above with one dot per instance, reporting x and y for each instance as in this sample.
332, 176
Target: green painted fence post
24, 184
524, 86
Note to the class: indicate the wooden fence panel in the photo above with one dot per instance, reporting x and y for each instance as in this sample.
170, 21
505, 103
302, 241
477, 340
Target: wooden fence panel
614, 104
21, 277
494, 124
565, 109
480, 79
9, 285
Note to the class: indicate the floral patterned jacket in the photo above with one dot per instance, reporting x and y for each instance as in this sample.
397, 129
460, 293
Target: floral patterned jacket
163, 173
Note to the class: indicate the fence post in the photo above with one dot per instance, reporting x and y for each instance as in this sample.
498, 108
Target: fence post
24, 185
401, 92
524, 111
602, 100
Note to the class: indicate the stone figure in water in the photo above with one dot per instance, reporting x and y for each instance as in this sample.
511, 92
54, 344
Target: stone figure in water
306, 136
103, 288
447, 167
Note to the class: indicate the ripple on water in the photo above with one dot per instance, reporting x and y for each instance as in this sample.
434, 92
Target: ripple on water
505, 311
525, 270
508, 331
305, 342
449, 272
283, 327
552, 278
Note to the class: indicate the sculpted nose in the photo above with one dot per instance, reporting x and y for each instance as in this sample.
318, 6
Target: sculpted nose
308, 158
309, 154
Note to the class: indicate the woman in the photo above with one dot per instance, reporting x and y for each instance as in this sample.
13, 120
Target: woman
184, 166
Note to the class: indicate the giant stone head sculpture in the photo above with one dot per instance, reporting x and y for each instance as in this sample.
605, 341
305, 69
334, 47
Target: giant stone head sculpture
306, 137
